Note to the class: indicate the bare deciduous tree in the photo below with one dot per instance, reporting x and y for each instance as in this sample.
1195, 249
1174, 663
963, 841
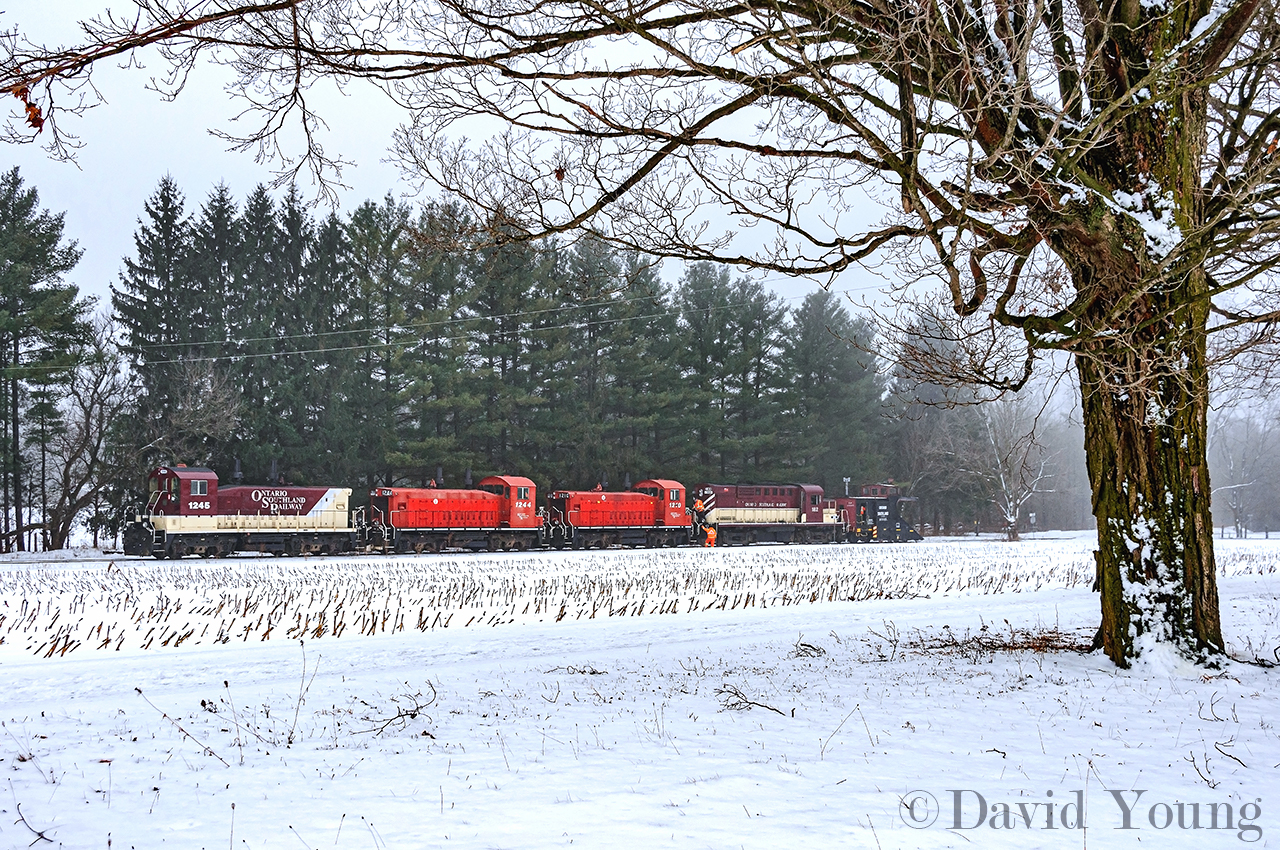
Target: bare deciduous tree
1242, 453
1095, 177
86, 455
205, 411
1013, 462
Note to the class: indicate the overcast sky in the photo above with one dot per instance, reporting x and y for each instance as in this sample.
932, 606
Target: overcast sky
136, 138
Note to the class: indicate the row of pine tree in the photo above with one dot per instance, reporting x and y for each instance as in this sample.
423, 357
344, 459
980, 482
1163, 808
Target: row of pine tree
392, 346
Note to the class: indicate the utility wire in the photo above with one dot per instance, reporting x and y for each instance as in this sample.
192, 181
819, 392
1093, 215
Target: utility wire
524, 314
405, 344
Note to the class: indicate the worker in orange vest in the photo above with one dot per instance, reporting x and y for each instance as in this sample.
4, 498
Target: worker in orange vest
711, 536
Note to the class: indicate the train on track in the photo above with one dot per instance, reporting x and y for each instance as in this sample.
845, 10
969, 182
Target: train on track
187, 513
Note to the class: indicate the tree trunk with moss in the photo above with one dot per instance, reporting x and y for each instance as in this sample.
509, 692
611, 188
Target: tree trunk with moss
1145, 395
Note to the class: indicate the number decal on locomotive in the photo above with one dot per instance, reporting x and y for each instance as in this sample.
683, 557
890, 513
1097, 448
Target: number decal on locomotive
197, 506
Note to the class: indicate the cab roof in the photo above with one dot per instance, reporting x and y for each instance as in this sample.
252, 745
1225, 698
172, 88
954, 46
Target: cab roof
664, 483
186, 473
509, 480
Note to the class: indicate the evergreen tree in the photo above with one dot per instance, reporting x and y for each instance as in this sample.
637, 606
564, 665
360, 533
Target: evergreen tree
214, 298
327, 417
590, 279
835, 405
753, 382
376, 236
512, 286
649, 395
152, 301
706, 299
618, 387
258, 312
40, 320
435, 394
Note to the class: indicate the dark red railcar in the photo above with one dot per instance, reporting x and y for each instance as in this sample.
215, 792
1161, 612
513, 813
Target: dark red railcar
766, 513
498, 514
651, 514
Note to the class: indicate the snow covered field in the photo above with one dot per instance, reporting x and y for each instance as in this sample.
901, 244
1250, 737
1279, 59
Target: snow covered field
883, 696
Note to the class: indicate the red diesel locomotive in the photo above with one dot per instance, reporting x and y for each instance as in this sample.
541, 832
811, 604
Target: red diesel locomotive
498, 515
652, 514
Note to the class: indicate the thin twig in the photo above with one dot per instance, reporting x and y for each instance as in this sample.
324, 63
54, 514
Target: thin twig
823, 751
22, 819
208, 750
735, 700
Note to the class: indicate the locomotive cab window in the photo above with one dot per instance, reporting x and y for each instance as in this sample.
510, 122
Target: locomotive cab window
522, 492
200, 488
675, 495
813, 501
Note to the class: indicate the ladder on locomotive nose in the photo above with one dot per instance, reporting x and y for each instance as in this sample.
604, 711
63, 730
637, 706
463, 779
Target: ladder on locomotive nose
157, 536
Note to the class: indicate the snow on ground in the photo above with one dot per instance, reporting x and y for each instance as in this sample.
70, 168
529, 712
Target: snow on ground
749, 705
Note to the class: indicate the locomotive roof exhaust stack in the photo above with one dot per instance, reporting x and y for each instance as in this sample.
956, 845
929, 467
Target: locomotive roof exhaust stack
468, 479
626, 481
237, 476
439, 476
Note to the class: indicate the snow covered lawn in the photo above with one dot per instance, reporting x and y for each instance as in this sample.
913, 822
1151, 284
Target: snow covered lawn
732, 698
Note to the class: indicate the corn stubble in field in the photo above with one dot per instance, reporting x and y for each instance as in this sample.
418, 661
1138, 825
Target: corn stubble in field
131, 605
